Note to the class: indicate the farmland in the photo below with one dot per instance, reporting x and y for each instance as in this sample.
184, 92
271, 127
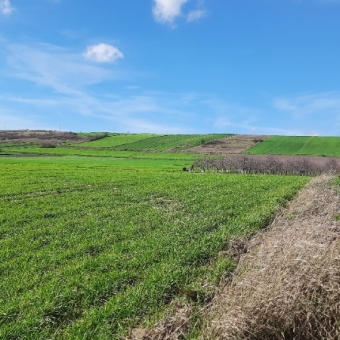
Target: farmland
151, 142
116, 140
179, 146
304, 145
91, 246
101, 233
166, 142
64, 151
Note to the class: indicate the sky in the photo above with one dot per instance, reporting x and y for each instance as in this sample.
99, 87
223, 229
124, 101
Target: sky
171, 66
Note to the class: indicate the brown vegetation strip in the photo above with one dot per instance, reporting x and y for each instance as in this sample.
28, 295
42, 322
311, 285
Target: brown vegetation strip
230, 145
173, 326
270, 164
287, 285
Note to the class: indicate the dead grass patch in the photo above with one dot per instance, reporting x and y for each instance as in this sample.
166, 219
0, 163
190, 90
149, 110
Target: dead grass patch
173, 326
230, 145
287, 285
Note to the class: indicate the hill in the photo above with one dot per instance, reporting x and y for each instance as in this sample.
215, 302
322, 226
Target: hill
298, 145
29, 141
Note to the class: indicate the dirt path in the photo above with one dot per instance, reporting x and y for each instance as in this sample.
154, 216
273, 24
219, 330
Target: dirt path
287, 285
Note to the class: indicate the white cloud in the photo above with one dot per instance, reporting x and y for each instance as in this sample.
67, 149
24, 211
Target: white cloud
6, 7
196, 15
102, 53
166, 11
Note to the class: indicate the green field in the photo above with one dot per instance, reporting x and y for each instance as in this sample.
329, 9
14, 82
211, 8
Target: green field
151, 142
306, 145
137, 146
90, 246
166, 142
116, 140
68, 151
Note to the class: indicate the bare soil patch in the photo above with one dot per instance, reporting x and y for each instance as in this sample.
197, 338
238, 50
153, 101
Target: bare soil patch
287, 284
229, 145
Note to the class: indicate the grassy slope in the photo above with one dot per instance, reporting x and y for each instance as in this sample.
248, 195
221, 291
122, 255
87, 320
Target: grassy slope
190, 142
182, 142
288, 145
66, 151
140, 164
118, 139
140, 146
89, 246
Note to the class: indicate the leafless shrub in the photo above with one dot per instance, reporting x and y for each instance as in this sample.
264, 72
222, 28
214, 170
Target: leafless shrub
276, 165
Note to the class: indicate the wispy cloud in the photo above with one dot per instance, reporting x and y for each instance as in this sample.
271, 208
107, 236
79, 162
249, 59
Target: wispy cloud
103, 53
167, 11
302, 105
231, 117
196, 15
66, 84
314, 114
58, 83
55, 67
6, 7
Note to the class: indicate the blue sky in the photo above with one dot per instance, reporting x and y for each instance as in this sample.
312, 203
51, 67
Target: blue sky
171, 66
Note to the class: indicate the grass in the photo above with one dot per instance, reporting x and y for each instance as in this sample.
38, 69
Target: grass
288, 145
114, 163
68, 151
116, 140
155, 142
166, 142
190, 142
90, 247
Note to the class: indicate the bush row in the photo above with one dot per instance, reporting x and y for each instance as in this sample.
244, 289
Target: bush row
277, 165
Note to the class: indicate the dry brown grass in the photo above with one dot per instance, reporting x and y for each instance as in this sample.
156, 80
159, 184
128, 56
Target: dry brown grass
173, 326
287, 285
230, 145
